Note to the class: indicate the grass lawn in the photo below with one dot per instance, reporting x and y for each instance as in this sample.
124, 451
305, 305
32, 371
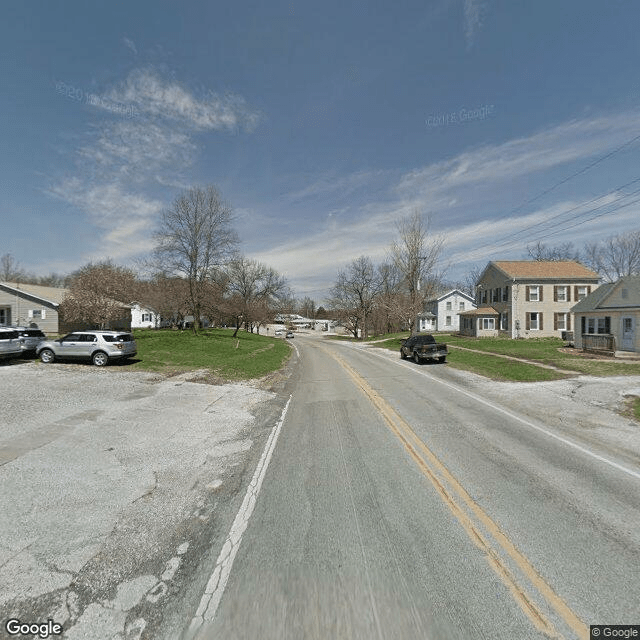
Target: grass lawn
542, 350
485, 365
547, 351
247, 356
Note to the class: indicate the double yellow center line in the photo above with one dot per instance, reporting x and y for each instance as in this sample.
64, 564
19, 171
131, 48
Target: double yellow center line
454, 495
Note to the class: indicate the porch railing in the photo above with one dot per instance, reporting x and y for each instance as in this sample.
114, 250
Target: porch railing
598, 342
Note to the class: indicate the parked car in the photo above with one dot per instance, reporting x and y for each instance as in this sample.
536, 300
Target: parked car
30, 339
98, 346
278, 332
9, 343
289, 334
423, 347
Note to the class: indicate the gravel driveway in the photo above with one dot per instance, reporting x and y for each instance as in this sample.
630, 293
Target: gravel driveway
114, 484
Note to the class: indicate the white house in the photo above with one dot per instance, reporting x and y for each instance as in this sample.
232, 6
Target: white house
441, 314
143, 317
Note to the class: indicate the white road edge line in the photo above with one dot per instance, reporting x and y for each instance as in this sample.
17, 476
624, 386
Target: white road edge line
569, 443
218, 581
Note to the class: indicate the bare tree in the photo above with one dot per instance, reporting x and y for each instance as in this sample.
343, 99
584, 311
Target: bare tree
10, 270
195, 239
615, 256
168, 296
542, 252
416, 256
386, 312
307, 307
98, 293
354, 294
253, 290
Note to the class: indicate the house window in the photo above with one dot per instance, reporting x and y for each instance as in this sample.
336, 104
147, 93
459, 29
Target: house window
448, 321
449, 305
561, 321
561, 294
483, 297
505, 294
581, 293
598, 325
146, 317
461, 306
627, 325
534, 321
4, 316
534, 294
625, 293
504, 322
602, 325
488, 323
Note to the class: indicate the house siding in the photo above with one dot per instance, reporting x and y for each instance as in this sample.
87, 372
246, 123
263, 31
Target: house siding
520, 306
438, 308
19, 306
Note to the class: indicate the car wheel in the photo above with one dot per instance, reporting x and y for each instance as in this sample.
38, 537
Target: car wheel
441, 359
47, 356
100, 358
416, 357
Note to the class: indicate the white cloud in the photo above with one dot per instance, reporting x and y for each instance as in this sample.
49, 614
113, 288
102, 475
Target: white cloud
473, 14
137, 149
331, 183
463, 192
130, 45
149, 144
156, 97
125, 220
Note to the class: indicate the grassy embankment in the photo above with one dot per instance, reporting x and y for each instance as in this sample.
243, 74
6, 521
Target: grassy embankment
248, 356
540, 351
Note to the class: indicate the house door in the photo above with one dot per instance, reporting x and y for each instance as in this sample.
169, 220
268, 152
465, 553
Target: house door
628, 333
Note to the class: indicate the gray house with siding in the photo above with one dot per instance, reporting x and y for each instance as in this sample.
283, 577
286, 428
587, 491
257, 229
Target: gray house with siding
607, 320
30, 304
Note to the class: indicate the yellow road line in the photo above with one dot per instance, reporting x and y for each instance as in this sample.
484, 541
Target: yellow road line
414, 446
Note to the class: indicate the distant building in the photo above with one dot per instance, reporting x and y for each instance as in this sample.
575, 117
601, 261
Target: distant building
441, 313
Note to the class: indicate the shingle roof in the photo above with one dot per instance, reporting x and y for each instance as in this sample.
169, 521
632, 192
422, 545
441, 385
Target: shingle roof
544, 269
482, 311
596, 299
53, 295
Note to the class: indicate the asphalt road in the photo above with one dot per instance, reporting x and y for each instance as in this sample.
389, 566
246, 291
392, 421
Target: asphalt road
405, 501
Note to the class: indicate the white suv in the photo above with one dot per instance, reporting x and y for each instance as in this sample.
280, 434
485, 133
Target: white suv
99, 346
9, 342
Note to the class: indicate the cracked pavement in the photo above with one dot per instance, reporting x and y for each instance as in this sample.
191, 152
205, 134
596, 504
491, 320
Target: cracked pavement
114, 485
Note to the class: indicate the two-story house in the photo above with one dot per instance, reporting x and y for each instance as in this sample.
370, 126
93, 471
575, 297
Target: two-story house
441, 313
533, 298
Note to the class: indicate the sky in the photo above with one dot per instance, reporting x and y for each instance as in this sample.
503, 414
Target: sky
322, 124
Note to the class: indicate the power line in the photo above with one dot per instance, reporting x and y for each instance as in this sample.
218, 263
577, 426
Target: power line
561, 182
507, 242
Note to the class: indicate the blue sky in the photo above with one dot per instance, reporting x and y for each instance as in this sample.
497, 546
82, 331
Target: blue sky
321, 123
